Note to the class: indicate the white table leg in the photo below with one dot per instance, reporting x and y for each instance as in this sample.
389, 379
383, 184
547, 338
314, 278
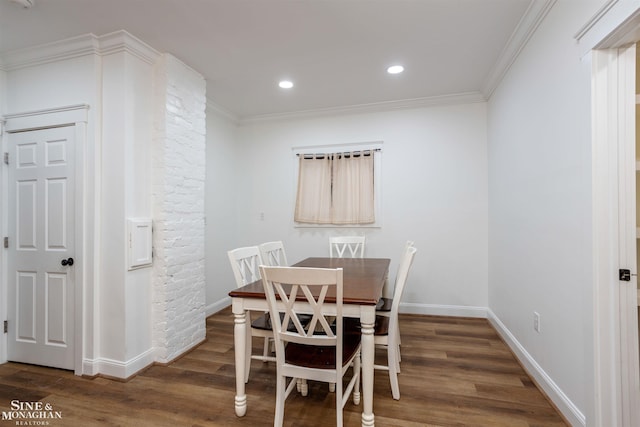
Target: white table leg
367, 320
240, 342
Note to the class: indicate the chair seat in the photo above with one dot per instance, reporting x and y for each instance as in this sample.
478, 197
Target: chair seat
322, 357
264, 322
381, 326
384, 304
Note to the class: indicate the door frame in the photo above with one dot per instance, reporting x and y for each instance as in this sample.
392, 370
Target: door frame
76, 116
615, 380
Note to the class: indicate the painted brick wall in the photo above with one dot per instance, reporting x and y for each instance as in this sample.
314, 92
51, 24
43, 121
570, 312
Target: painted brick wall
178, 208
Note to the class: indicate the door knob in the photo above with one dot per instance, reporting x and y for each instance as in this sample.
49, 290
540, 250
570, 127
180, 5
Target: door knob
67, 261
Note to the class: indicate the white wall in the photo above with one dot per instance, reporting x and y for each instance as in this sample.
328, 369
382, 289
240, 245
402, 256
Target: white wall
125, 296
138, 120
53, 84
220, 200
112, 257
540, 253
434, 171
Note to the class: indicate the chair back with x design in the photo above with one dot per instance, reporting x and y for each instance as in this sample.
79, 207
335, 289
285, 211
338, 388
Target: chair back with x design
245, 263
346, 246
273, 254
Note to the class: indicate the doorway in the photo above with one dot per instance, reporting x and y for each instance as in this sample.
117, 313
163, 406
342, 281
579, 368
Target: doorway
44, 230
41, 286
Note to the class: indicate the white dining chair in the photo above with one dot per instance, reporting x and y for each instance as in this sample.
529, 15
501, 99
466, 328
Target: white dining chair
245, 263
384, 305
322, 351
273, 254
387, 328
346, 246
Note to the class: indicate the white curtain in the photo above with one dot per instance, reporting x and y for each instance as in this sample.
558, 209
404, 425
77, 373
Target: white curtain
352, 196
313, 201
336, 189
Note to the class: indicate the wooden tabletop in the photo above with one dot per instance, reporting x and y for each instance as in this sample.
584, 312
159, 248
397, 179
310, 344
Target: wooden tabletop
363, 279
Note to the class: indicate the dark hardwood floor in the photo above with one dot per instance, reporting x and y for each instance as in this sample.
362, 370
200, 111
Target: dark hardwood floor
455, 372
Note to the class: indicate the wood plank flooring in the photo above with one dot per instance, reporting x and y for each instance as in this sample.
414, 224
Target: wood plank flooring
455, 372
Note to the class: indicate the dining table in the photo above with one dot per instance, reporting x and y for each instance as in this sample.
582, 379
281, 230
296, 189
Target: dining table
363, 282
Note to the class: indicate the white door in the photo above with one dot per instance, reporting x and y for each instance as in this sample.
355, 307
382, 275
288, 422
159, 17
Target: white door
41, 247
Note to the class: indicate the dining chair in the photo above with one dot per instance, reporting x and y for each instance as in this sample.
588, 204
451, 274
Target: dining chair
383, 308
384, 304
273, 254
387, 329
320, 351
346, 246
245, 263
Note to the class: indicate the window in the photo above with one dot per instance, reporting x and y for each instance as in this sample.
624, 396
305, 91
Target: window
338, 185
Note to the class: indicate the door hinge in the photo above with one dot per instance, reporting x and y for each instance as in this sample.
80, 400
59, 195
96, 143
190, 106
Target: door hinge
6, 326
6, 242
6, 158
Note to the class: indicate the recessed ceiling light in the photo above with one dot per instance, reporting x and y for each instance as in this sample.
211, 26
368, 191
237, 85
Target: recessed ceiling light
395, 69
285, 84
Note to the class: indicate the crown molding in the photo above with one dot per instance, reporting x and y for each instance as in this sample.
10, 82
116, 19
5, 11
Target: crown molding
531, 20
595, 19
60, 50
122, 41
460, 98
75, 47
222, 112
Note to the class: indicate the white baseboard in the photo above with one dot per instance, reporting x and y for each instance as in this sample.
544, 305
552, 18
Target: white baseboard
443, 310
116, 368
90, 367
217, 306
557, 396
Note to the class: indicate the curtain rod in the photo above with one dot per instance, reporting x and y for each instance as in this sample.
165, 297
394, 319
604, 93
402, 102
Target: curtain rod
356, 153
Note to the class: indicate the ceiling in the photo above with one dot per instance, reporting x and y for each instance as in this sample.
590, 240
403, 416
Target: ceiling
335, 51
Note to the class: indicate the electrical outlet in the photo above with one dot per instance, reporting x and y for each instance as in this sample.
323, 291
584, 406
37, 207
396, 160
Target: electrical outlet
536, 321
